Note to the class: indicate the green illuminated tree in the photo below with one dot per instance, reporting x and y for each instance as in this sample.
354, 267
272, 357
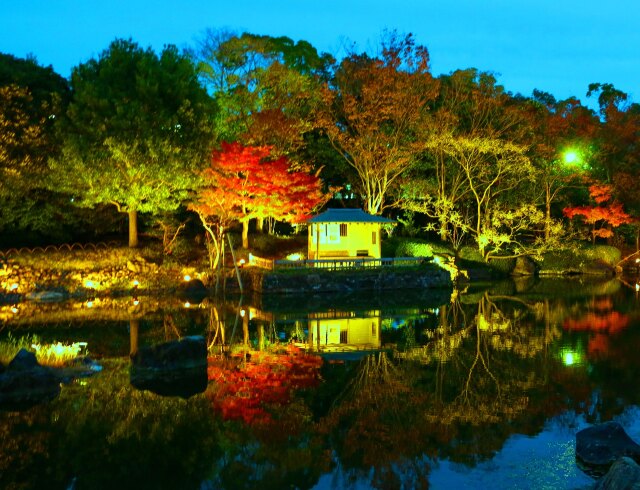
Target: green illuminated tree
137, 128
266, 87
31, 98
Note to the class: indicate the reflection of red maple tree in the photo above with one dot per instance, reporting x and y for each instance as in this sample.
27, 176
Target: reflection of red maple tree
247, 390
602, 323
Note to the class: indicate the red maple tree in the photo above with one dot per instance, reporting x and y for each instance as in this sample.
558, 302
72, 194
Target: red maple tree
244, 183
604, 215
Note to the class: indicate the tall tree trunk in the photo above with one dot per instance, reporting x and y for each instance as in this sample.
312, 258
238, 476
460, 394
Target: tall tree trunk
260, 224
133, 228
245, 234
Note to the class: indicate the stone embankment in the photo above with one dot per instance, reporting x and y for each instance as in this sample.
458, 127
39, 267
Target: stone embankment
137, 277
326, 281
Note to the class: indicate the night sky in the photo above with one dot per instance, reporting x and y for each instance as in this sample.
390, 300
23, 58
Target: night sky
558, 46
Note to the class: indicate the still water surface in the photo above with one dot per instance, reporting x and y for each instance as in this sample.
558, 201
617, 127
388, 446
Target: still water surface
483, 389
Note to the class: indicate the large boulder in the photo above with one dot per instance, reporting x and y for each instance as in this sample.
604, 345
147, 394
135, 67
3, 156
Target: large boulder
177, 368
26, 383
524, 267
598, 447
623, 475
194, 290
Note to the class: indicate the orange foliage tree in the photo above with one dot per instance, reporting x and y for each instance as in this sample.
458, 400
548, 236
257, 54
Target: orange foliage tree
243, 183
375, 113
604, 215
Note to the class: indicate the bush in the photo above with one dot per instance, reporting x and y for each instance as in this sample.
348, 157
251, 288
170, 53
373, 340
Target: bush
472, 254
471, 258
274, 246
580, 258
413, 247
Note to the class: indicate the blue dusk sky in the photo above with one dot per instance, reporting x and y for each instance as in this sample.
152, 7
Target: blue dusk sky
559, 46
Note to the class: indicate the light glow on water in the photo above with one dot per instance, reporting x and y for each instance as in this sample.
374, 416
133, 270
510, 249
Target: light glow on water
543, 461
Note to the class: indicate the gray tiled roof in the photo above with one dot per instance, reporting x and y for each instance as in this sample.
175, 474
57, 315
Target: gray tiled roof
340, 215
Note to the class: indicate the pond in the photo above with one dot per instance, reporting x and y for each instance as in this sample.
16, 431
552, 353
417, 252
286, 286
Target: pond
484, 388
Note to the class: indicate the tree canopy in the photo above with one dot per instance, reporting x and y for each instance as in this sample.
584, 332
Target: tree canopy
137, 127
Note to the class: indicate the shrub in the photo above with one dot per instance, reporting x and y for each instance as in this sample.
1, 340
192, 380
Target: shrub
415, 247
274, 246
579, 258
472, 254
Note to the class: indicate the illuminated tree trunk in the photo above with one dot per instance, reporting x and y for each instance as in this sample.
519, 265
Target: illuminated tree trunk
134, 327
260, 224
133, 228
245, 234
245, 329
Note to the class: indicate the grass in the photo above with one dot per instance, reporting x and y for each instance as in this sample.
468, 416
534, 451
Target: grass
52, 355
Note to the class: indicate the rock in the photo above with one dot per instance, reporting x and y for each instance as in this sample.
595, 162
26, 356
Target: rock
524, 267
23, 361
80, 367
177, 382
176, 368
187, 352
193, 290
26, 383
599, 446
48, 296
623, 475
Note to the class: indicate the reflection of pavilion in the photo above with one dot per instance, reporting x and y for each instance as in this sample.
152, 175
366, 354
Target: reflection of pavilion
341, 331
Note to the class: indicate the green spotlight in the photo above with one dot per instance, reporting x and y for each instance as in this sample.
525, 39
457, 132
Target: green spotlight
571, 156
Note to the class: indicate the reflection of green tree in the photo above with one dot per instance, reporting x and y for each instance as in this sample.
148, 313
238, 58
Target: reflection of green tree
282, 454
484, 374
106, 434
376, 423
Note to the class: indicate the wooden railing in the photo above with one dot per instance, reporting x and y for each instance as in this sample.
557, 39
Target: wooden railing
349, 263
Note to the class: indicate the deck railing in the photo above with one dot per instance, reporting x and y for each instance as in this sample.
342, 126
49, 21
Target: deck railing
348, 263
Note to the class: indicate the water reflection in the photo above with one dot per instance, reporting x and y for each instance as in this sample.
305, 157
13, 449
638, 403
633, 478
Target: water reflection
452, 392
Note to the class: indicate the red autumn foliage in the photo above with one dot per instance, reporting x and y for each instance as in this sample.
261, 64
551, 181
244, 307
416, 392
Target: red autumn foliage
603, 323
250, 390
251, 185
611, 322
612, 214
